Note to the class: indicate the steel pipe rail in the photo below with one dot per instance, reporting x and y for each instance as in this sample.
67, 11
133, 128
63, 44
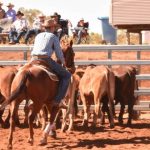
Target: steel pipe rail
15, 48
112, 62
83, 48
89, 62
98, 48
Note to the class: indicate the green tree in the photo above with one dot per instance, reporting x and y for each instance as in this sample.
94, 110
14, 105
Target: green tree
30, 13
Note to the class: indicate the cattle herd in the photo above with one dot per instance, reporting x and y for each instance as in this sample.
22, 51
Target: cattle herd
98, 86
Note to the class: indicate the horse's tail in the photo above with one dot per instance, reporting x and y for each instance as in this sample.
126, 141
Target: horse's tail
21, 87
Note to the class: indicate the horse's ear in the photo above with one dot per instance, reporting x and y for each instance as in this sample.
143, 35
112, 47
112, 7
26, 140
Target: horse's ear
62, 42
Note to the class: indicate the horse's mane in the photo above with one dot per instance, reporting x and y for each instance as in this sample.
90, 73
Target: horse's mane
66, 45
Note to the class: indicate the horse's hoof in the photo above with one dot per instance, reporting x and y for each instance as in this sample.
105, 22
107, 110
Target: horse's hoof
64, 127
43, 142
9, 147
70, 129
30, 141
52, 134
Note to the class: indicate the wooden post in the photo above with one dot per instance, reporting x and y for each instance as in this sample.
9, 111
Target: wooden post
128, 37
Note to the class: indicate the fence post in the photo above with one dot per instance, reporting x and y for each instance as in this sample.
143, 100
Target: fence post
25, 55
109, 56
136, 114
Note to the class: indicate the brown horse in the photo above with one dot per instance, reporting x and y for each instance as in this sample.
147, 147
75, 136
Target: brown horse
33, 82
7, 74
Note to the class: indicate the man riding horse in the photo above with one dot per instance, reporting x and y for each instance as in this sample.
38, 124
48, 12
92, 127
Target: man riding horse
45, 44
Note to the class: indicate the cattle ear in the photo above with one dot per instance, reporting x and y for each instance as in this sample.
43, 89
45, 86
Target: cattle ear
80, 73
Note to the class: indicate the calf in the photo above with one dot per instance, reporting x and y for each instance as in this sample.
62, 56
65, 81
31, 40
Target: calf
125, 84
94, 85
125, 79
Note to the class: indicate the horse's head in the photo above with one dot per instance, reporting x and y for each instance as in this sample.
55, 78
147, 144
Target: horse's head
66, 46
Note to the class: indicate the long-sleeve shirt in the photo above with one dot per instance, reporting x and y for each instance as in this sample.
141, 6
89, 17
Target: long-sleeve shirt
37, 24
20, 24
11, 13
45, 44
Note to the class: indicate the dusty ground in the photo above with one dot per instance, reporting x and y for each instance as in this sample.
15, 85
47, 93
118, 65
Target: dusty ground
119, 138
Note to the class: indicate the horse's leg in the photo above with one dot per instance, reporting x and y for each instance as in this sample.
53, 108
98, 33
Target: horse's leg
64, 122
17, 122
51, 126
44, 116
53, 117
13, 109
26, 111
31, 118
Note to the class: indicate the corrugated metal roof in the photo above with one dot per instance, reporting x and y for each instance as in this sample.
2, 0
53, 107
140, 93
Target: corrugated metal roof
129, 12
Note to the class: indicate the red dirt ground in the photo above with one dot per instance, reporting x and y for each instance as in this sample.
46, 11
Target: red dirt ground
119, 138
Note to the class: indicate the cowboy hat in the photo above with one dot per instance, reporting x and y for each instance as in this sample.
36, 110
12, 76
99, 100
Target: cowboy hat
56, 15
1, 3
19, 13
49, 23
10, 5
82, 19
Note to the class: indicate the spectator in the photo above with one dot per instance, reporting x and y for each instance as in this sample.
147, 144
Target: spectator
62, 25
37, 27
2, 15
11, 13
56, 18
80, 29
18, 28
2, 11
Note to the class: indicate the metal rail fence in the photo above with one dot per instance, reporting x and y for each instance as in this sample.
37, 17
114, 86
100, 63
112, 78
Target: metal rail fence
95, 48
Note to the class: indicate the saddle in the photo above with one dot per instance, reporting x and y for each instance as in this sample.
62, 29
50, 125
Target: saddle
41, 64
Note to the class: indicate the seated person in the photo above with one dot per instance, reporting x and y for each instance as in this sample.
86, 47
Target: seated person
81, 29
2, 15
37, 27
62, 25
18, 28
11, 13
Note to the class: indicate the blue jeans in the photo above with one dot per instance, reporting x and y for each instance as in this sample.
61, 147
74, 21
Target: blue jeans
15, 36
63, 75
30, 33
79, 32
